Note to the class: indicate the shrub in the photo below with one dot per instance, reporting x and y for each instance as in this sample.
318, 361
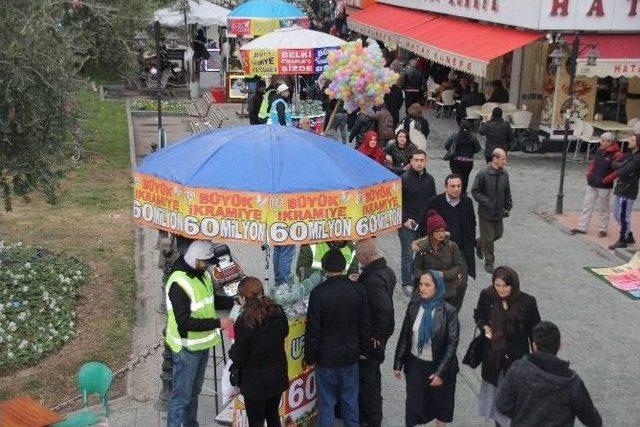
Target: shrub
38, 290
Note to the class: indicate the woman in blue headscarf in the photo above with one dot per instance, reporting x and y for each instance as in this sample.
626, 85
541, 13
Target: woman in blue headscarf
426, 351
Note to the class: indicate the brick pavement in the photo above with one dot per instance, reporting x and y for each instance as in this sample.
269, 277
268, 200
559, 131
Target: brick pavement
599, 325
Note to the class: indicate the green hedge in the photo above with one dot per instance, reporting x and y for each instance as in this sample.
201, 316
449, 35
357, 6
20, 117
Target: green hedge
38, 290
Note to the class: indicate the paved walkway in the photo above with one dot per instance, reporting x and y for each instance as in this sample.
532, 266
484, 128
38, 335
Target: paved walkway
599, 324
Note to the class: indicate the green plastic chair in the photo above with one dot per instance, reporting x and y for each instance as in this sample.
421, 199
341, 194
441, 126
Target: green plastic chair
94, 377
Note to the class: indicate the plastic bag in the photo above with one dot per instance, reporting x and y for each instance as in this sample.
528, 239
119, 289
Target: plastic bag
228, 392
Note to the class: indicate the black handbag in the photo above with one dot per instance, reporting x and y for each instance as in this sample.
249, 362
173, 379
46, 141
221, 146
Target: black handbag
473, 356
234, 375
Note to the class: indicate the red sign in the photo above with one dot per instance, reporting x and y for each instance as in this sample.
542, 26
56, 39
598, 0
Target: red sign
240, 27
296, 61
301, 392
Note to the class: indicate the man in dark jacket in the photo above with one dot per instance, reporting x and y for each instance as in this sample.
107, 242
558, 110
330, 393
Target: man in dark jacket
492, 191
499, 94
417, 187
457, 210
414, 83
336, 339
627, 171
254, 103
378, 280
498, 132
365, 121
598, 192
470, 99
540, 389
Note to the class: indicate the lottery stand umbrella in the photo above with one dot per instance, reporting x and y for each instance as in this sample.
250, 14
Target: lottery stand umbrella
268, 185
257, 17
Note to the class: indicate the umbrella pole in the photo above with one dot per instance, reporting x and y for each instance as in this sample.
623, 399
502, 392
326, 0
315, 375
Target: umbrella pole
267, 257
333, 114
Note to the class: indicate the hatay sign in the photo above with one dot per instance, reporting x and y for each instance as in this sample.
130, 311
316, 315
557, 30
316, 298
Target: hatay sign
567, 15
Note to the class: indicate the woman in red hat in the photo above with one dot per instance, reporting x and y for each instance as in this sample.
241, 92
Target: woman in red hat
370, 147
437, 252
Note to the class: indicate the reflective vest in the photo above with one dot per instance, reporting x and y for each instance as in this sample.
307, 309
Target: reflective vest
263, 113
318, 251
273, 113
202, 307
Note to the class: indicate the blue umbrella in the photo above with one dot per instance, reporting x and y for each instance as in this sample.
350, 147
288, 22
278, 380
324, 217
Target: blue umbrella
266, 9
295, 187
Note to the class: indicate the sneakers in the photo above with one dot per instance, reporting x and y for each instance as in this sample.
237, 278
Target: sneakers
488, 268
408, 291
576, 231
618, 244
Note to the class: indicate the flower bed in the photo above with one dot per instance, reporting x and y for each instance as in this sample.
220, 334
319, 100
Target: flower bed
150, 105
38, 290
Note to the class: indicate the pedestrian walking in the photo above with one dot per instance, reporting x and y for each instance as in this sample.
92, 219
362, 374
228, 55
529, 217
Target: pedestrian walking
426, 352
492, 191
461, 147
540, 389
336, 339
457, 210
598, 192
258, 353
192, 329
384, 125
378, 281
416, 125
627, 173
399, 152
418, 187
371, 148
506, 316
394, 100
310, 257
437, 252
498, 134
413, 85
365, 121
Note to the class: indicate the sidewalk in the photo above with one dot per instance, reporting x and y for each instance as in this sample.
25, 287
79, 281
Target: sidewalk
598, 324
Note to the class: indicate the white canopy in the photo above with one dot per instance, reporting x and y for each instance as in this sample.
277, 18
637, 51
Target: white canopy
203, 12
294, 38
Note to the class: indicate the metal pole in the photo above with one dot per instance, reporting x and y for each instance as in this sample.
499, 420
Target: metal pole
565, 142
156, 31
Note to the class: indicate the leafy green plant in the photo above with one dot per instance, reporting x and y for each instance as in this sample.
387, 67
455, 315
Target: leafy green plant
38, 290
149, 105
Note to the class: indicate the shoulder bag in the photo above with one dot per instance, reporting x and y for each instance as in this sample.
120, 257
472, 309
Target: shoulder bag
473, 356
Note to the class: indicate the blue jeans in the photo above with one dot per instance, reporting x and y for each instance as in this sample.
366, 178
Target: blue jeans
337, 385
406, 255
282, 261
622, 212
188, 376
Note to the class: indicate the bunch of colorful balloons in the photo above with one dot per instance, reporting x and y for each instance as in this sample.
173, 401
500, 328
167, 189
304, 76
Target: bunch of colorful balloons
358, 76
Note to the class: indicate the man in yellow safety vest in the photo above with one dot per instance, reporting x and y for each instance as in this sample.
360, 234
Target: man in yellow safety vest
193, 327
310, 257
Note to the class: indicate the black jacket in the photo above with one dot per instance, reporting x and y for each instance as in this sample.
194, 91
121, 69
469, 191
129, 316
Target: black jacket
499, 95
444, 341
400, 157
628, 174
601, 166
541, 390
526, 316
465, 146
259, 355
365, 121
492, 192
499, 135
462, 219
423, 123
338, 323
416, 192
414, 79
378, 281
253, 108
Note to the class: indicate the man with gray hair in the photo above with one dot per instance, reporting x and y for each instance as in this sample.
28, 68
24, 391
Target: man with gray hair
492, 191
378, 281
598, 192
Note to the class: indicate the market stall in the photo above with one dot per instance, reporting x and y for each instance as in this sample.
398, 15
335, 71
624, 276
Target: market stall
244, 184
292, 51
258, 17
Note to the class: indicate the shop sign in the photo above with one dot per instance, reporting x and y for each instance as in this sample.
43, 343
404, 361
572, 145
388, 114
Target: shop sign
458, 62
590, 15
373, 32
610, 68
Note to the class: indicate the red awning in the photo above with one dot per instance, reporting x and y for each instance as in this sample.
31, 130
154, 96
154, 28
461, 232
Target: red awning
464, 45
387, 23
618, 55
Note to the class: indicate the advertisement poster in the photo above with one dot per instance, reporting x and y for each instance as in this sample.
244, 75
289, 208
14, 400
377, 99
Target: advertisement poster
281, 219
265, 62
625, 277
254, 27
298, 403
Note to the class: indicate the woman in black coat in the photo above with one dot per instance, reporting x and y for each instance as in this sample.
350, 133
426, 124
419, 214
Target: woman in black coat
506, 316
258, 353
466, 145
426, 351
399, 152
